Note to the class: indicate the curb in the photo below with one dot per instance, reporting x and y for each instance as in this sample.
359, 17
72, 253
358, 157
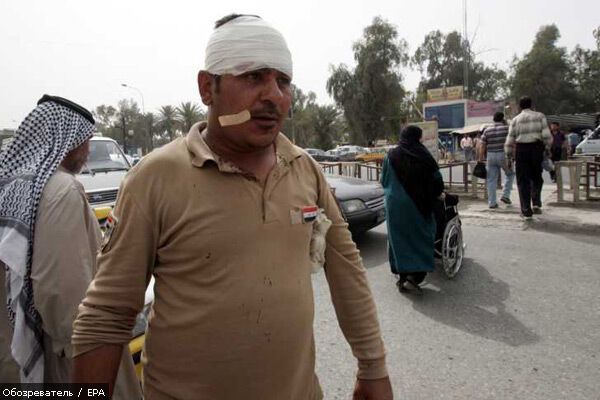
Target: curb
541, 223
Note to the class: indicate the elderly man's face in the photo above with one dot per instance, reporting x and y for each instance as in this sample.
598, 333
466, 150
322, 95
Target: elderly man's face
266, 93
76, 158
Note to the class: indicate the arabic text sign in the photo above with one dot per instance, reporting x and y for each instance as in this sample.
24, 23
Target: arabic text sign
445, 93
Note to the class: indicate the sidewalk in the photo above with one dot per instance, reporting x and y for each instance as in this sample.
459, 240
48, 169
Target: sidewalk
582, 217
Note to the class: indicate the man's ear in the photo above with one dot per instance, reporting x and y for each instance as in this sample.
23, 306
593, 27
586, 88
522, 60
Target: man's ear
206, 86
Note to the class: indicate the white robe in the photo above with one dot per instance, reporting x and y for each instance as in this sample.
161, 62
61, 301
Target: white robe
66, 241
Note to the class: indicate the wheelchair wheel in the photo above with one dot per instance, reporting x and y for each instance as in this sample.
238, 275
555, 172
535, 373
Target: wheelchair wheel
452, 248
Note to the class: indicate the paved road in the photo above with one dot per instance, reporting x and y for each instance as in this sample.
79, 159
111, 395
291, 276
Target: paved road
521, 321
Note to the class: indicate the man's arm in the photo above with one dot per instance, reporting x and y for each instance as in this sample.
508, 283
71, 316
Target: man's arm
98, 366
509, 144
482, 148
116, 295
350, 292
546, 135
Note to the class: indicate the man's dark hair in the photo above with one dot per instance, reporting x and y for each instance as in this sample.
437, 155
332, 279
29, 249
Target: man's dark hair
555, 123
499, 117
231, 17
525, 102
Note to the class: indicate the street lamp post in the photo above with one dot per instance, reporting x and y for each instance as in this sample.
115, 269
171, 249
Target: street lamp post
143, 110
137, 90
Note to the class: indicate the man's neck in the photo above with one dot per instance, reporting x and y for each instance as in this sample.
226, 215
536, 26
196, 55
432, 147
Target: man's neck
258, 162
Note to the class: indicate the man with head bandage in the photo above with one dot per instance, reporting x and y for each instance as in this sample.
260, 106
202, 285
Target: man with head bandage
223, 219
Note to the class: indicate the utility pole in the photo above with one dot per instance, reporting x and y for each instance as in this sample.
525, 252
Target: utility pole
467, 52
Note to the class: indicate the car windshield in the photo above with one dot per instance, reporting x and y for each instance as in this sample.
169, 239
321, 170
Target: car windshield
105, 156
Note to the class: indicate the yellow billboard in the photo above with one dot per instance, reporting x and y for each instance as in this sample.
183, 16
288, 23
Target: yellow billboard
444, 94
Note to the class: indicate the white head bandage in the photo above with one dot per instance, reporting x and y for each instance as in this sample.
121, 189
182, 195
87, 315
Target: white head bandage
246, 44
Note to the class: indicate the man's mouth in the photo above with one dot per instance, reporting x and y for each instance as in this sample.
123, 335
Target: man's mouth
266, 120
266, 117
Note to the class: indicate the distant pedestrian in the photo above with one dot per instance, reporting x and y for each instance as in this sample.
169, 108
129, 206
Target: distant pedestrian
528, 138
492, 142
467, 145
574, 139
558, 149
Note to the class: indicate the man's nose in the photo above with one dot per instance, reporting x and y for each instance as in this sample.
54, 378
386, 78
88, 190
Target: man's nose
271, 90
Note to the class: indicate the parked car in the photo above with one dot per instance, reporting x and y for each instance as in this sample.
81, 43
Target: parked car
320, 155
334, 153
362, 202
348, 152
590, 144
102, 174
375, 154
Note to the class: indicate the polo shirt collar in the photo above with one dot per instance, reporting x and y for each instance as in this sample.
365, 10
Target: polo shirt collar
201, 153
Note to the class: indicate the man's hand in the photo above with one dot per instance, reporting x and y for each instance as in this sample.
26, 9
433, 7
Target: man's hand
376, 389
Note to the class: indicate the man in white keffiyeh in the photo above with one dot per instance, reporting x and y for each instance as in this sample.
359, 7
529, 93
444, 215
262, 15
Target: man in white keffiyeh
48, 238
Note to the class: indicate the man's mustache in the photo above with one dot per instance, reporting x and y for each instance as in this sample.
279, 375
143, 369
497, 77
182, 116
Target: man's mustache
268, 111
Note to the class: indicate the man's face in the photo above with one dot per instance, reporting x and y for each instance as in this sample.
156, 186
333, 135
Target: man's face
266, 93
554, 128
76, 158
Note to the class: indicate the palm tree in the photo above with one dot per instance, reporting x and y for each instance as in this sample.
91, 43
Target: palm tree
150, 127
168, 120
188, 114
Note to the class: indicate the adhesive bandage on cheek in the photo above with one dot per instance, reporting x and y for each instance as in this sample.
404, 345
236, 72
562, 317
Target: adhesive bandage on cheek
234, 119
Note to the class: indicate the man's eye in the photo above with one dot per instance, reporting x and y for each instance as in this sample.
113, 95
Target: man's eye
284, 81
253, 76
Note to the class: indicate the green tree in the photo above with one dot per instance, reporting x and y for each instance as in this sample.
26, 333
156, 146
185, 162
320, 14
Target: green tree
585, 65
371, 94
168, 121
149, 123
298, 126
440, 60
126, 117
104, 116
326, 126
188, 114
546, 75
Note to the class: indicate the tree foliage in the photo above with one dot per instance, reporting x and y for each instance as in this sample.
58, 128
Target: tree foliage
188, 113
372, 92
168, 121
546, 75
585, 64
313, 125
440, 59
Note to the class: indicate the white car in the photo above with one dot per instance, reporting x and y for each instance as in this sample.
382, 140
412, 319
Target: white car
103, 172
591, 144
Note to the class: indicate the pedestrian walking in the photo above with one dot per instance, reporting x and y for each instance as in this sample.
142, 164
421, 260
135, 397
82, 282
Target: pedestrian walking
574, 139
558, 149
412, 184
466, 144
528, 137
223, 219
49, 240
492, 144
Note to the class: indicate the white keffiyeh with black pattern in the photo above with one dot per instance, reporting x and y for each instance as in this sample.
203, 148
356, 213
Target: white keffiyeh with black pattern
40, 144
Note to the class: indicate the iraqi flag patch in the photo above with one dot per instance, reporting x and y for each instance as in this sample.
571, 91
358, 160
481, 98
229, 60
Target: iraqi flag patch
309, 213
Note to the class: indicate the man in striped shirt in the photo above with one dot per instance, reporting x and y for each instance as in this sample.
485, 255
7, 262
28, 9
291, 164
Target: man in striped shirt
528, 138
492, 141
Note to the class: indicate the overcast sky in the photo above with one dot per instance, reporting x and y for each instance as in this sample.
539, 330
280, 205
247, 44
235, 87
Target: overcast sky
84, 50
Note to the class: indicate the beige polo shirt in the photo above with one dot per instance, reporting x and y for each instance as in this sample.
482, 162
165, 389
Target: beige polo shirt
233, 310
